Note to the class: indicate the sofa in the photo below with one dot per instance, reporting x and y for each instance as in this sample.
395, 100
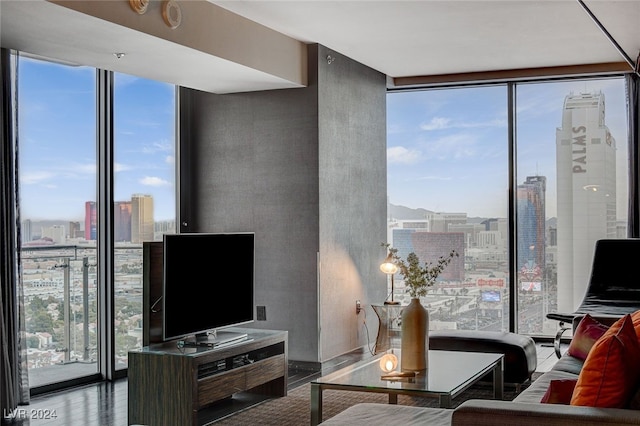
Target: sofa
526, 409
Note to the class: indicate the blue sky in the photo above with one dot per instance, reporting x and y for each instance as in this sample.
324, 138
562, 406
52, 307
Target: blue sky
57, 141
447, 148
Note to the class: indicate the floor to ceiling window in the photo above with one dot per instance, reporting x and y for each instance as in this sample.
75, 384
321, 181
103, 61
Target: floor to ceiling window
449, 188
59, 216
144, 205
572, 189
57, 178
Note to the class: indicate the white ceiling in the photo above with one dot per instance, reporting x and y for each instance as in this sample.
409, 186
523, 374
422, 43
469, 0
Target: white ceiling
414, 38
397, 38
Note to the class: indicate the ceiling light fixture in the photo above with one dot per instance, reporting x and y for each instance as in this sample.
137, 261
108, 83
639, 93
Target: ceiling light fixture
139, 6
171, 14
119, 55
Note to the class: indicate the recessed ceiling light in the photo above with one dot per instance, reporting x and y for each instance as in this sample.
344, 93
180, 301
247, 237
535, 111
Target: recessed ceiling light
139, 6
171, 13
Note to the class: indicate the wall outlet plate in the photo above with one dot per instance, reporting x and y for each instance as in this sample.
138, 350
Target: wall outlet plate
261, 313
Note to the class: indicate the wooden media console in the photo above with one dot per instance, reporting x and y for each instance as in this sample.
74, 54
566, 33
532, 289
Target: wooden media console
172, 385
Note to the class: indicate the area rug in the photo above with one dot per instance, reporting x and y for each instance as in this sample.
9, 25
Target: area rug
295, 408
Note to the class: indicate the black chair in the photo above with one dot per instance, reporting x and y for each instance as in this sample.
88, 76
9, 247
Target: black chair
614, 286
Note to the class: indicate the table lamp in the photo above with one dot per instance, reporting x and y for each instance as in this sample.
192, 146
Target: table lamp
389, 268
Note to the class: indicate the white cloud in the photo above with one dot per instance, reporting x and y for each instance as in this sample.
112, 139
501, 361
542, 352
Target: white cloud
154, 181
35, 177
163, 145
88, 169
432, 177
402, 155
170, 159
442, 123
119, 167
436, 123
454, 146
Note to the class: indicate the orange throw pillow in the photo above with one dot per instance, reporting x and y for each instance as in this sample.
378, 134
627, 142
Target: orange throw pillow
610, 373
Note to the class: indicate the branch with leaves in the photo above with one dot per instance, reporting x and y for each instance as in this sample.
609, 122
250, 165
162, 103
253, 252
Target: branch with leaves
417, 277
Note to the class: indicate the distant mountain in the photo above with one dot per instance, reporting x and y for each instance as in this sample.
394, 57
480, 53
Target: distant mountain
406, 213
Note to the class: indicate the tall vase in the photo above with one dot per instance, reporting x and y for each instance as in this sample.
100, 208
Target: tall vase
414, 337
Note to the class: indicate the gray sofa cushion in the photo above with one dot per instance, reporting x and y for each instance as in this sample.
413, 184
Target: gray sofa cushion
569, 364
368, 414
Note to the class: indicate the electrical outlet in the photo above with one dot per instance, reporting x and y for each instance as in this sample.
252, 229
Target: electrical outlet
358, 307
261, 313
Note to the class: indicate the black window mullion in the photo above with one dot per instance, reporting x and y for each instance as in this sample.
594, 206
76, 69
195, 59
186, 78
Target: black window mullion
105, 244
513, 236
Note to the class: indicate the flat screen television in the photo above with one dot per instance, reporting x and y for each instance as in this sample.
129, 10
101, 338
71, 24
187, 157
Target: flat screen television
208, 285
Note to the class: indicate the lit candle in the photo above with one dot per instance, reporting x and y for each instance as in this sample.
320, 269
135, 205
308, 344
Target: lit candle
388, 363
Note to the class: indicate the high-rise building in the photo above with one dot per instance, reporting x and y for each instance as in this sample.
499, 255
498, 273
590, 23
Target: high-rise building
439, 222
26, 231
90, 221
141, 218
429, 246
74, 230
586, 171
56, 233
122, 221
531, 222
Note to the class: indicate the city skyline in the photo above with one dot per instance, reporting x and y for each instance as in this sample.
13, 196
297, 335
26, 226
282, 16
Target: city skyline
434, 148
440, 142
57, 141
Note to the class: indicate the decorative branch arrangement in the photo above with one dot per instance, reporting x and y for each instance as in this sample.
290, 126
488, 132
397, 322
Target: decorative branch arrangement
418, 278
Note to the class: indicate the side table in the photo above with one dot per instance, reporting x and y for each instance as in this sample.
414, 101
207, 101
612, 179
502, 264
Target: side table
389, 318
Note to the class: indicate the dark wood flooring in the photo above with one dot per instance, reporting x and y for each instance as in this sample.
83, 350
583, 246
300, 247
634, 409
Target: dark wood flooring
105, 403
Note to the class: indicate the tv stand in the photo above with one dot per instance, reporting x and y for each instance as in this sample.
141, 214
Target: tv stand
172, 385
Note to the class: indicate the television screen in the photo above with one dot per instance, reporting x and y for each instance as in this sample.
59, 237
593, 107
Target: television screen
208, 283
490, 296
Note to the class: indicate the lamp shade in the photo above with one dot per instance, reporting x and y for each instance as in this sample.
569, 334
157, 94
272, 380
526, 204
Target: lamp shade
388, 267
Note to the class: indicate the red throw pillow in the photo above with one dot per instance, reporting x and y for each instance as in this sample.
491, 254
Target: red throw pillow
610, 373
636, 321
587, 333
559, 391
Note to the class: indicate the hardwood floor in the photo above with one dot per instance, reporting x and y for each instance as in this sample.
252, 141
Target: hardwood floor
105, 403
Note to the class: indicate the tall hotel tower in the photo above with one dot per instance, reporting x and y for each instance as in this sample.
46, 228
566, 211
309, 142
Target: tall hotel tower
586, 169
90, 221
141, 218
531, 223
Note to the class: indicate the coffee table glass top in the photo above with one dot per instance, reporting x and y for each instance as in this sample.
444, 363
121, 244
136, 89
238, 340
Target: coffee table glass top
448, 372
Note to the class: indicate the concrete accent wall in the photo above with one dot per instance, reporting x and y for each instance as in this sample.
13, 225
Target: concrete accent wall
305, 170
353, 193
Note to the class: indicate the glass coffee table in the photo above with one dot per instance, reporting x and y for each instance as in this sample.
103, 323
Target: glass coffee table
449, 374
